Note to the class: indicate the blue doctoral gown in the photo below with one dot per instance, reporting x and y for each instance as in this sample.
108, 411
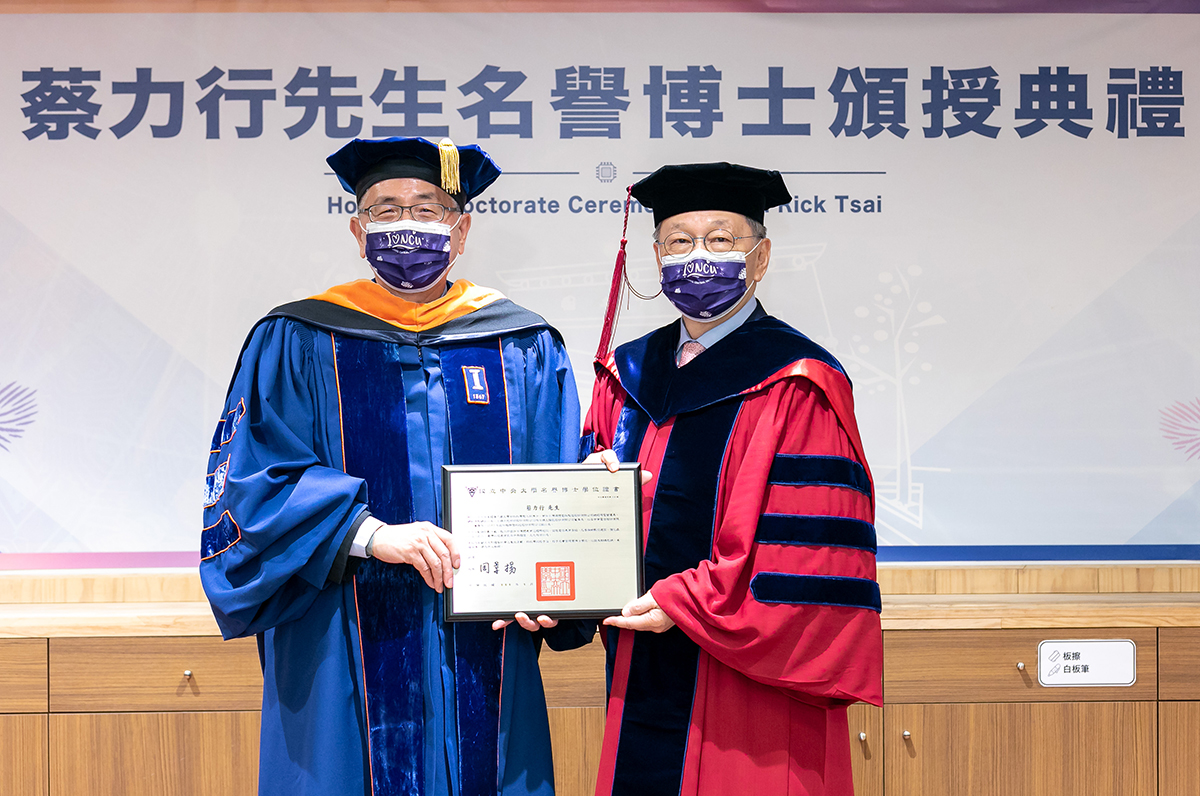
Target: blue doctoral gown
334, 415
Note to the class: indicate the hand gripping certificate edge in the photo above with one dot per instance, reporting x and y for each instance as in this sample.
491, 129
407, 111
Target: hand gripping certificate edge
631, 475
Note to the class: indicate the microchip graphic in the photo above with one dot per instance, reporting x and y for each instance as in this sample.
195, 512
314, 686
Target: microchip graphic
476, 381
556, 580
606, 172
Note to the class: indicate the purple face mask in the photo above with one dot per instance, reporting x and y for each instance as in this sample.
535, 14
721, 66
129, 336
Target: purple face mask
703, 285
408, 255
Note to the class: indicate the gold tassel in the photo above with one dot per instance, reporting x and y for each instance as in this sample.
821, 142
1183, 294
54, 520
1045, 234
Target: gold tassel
449, 155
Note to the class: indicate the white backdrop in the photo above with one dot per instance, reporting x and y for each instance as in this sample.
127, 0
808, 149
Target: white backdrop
1019, 314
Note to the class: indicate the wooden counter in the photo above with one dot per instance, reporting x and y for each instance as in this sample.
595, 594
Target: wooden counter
900, 612
110, 680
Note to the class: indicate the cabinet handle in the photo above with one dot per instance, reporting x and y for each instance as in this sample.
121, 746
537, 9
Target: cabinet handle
1020, 666
187, 673
862, 736
907, 735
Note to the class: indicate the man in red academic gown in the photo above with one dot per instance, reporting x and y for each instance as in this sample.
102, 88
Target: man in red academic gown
732, 674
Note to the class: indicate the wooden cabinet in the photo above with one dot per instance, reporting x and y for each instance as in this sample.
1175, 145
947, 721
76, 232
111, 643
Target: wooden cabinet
1179, 651
23, 756
866, 749
1179, 748
576, 735
154, 674
23, 676
999, 666
574, 678
1179, 721
154, 754
966, 716
121, 716
89, 712
1021, 749
574, 683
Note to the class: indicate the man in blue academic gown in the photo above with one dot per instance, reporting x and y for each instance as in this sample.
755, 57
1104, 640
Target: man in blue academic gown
323, 502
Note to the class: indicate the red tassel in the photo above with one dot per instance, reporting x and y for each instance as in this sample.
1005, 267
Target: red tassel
614, 291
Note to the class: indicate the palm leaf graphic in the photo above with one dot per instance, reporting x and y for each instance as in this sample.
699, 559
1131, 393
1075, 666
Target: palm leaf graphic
17, 408
1181, 426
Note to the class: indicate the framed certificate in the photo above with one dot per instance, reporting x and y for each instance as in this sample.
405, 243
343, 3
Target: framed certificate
563, 540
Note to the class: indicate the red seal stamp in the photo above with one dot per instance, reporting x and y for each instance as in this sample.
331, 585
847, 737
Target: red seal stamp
556, 580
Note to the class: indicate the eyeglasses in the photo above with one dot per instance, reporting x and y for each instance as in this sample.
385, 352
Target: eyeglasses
718, 241
426, 211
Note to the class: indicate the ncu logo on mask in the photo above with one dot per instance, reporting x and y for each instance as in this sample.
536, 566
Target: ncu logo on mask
405, 240
700, 268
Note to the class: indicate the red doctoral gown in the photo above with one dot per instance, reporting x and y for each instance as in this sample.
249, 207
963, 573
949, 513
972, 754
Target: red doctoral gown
760, 546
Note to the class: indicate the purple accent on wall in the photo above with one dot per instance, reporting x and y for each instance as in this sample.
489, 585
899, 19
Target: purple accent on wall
933, 6
129, 560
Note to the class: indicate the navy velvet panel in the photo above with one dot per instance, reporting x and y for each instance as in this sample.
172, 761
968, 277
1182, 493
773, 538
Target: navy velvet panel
610, 656
478, 659
389, 597
658, 706
479, 434
662, 675
815, 531
631, 429
587, 443
790, 469
478, 418
783, 587
758, 348
685, 499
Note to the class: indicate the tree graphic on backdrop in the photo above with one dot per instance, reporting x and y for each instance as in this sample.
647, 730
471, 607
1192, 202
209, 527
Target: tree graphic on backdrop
17, 409
883, 353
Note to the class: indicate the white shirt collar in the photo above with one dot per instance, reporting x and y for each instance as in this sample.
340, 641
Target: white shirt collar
721, 330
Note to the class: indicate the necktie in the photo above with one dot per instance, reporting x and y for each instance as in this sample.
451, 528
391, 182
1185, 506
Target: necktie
690, 350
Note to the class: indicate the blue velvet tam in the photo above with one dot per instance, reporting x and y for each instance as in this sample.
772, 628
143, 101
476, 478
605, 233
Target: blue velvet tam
364, 162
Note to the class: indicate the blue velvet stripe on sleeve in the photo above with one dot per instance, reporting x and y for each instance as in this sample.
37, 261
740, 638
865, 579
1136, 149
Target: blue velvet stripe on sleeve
783, 587
790, 469
815, 531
